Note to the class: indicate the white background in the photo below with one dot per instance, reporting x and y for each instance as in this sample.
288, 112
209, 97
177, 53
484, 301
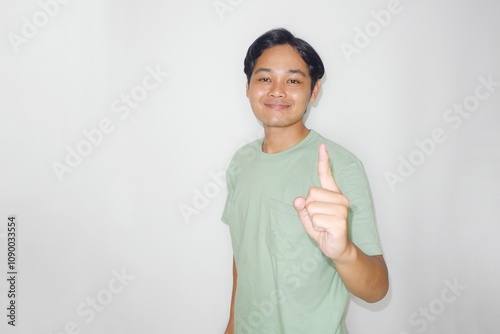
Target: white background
118, 210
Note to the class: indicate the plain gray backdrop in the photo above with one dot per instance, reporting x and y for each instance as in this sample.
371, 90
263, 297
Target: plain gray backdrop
119, 118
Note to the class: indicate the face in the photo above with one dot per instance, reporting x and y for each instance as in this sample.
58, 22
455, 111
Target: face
280, 87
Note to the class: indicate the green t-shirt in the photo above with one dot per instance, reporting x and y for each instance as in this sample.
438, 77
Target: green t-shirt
285, 284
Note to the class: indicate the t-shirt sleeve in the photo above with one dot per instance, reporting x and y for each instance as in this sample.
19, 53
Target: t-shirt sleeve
353, 183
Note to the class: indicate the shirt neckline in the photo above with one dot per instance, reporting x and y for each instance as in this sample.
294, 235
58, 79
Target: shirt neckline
274, 156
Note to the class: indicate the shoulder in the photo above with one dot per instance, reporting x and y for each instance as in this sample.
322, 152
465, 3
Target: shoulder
349, 172
243, 156
340, 156
253, 145
247, 151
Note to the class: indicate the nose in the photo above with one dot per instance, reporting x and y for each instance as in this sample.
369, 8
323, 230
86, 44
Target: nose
277, 90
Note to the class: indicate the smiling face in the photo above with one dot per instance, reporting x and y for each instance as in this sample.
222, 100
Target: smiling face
279, 89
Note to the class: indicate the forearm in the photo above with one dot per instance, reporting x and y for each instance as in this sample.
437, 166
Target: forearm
230, 325
364, 276
235, 284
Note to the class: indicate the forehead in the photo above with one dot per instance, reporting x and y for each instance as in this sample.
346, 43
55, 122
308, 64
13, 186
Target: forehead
281, 58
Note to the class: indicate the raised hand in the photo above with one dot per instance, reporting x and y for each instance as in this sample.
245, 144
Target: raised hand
324, 211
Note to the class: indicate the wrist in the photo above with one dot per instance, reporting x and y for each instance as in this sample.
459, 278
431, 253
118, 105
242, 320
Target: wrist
349, 255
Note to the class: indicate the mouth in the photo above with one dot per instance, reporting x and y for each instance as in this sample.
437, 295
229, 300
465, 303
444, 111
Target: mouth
277, 106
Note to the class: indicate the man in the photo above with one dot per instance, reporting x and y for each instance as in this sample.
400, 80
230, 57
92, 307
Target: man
296, 259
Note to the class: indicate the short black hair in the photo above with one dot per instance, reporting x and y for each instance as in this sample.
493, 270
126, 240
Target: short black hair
281, 36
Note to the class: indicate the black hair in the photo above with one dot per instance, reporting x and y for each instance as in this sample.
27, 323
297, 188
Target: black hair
282, 36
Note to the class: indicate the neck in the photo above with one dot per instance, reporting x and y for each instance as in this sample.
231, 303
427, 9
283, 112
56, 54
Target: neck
278, 139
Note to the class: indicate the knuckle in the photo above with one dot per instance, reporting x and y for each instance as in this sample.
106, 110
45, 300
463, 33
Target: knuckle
312, 191
310, 206
316, 220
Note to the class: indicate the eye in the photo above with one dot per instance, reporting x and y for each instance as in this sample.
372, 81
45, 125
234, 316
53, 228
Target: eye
264, 80
294, 81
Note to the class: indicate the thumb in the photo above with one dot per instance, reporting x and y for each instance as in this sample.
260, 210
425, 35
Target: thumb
300, 205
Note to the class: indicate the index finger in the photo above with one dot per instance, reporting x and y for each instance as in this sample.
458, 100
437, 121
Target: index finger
324, 171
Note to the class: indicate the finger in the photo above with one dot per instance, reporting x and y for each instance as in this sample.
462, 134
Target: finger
316, 194
324, 171
330, 209
335, 226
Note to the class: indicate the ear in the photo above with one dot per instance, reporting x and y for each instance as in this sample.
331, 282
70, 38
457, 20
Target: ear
247, 87
315, 91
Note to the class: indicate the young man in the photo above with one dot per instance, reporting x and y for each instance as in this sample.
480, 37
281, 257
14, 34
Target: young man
302, 225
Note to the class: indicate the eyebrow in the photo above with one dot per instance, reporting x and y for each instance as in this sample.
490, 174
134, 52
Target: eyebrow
291, 71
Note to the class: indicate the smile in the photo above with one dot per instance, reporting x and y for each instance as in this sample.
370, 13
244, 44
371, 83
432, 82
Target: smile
277, 106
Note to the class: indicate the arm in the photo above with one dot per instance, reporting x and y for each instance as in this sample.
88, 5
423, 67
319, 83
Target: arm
324, 214
364, 276
230, 325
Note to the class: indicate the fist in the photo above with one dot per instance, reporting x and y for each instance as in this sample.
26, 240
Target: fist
324, 212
